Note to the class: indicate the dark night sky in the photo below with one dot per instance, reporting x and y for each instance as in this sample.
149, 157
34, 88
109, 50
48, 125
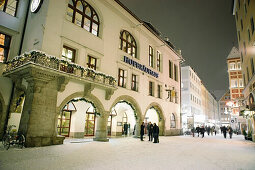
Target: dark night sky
203, 29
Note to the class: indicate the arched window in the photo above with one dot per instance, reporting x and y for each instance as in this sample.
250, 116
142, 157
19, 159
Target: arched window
83, 15
128, 44
173, 121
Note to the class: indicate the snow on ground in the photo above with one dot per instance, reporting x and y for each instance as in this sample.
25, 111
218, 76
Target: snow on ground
179, 152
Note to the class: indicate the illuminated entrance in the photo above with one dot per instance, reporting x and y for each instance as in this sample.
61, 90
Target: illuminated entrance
152, 116
122, 120
77, 119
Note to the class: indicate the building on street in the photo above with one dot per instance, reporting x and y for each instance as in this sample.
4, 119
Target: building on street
86, 68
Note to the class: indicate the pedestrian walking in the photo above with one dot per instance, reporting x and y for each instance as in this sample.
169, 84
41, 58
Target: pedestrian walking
202, 131
212, 130
224, 131
198, 130
150, 131
155, 133
193, 131
208, 130
142, 131
230, 131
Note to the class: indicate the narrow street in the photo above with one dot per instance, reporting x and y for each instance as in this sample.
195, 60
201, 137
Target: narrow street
180, 152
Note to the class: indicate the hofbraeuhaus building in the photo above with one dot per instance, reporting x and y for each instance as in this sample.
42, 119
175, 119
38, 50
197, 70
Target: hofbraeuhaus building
78, 68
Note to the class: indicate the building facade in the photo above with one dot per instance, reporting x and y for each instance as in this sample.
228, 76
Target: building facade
244, 12
91, 68
225, 109
199, 107
236, 87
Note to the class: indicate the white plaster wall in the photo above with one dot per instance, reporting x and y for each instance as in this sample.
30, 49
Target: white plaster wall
14, 120
57, 31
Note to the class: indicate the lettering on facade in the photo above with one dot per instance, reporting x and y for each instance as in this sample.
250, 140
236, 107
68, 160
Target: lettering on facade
140, 66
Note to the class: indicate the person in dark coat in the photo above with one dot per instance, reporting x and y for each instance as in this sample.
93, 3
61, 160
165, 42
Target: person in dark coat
230, 131
142, 131
155, 133
193, 131
125, 129
150, 131
198, 130
202, 131
224, 130
208, 130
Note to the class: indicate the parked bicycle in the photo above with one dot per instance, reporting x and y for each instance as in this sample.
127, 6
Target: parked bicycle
13, 138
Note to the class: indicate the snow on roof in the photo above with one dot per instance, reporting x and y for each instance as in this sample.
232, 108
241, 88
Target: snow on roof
234, 53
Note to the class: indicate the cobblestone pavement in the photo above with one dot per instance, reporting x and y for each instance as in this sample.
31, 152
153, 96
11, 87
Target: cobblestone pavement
180, 152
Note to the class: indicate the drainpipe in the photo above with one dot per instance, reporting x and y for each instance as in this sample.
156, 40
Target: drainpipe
24, 29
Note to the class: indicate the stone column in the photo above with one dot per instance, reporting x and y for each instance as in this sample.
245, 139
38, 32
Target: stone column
101, 128
138, 128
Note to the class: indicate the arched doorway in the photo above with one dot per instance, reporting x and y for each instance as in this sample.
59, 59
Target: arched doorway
77, 119
154, 115
122, 120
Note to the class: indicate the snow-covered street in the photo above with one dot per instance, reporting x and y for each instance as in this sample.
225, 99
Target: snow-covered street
180, 152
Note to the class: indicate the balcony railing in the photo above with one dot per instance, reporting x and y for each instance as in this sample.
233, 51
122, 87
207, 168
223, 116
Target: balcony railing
41, 59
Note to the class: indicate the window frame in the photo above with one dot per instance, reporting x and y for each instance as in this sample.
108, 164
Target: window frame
176, 78
134, 83
6, 47
173, 121
92, 66
132, 43
151, 88
171, 69
85, 5
151, 57
121, 74
5, 7
158, 61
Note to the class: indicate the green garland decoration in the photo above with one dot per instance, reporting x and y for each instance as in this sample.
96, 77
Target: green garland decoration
87, 101
135, 112
153, 107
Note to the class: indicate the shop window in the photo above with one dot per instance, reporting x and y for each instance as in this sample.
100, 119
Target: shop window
10, 7
68, 54
151, 56
128, 43
122, 77
5, 41
83, 15
151, 88
134, 85
173, 121
92, 62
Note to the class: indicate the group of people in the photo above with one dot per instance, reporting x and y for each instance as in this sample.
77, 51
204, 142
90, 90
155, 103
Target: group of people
201, 130
152, 130
225, 129
212, 130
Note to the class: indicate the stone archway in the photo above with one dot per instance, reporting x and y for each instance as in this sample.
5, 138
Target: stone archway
100, 134
135, 106
161, 117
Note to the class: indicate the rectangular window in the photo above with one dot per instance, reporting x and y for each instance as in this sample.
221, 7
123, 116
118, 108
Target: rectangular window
68, 54
242, 24
248, 76
252, 25
238, 65
252, 66
159, 91
239, 4
122, 77
10, 7
245, 8
241, 83
249, 35
239, 37
151, 56
176, 97
175, 73
170, 69
151, 88
234, 83
244, 47
236, 16
5, 41
92, 62
244, 79
158, 61
232, 66
134, 85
